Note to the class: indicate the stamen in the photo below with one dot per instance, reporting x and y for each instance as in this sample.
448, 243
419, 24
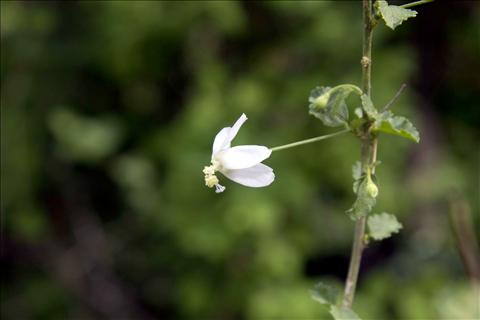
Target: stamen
211, 180
210, 170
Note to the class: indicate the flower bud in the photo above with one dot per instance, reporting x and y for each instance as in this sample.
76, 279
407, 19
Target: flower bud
321, 101
371, 188
319, 98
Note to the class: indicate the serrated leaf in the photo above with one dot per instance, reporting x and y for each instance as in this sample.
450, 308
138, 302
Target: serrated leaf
325, 294
364, 202
382, 226
343, 313
393, 15
328, 104
368, 107
401, 126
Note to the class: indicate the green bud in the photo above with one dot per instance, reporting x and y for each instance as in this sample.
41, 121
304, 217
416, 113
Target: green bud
321, 101
371, 188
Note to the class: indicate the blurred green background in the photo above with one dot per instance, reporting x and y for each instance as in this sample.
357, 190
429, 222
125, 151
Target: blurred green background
108, 114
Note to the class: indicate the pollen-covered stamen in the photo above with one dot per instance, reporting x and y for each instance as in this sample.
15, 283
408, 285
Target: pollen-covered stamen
211, 180
210, 170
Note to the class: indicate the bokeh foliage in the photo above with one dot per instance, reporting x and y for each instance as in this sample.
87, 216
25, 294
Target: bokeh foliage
108, 113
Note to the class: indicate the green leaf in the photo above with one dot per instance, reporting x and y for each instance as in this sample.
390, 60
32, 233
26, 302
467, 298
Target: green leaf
328, 295
382, 226
365, 200
343, 313
393, 15
367, 192
368, 107
401, 126
325, 294
328, 104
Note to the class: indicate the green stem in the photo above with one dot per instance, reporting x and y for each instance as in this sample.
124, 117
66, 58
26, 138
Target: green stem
368, 156
351, 86
367, 47
302, 142
355, 260
416, 3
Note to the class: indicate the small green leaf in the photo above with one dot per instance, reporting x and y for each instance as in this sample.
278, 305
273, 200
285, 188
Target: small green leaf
328, 104
401, 126
382, 226
343, 313
365, 199
368, 107
393, 15
325, 294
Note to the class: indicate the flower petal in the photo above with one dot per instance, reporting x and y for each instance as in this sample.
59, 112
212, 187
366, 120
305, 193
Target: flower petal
257, 176
219, 142
226, 135
241, 157
236, 126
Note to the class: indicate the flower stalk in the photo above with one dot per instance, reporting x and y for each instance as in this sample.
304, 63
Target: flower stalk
307, 141
416, 3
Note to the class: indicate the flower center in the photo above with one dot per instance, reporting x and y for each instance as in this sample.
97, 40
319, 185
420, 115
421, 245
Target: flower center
211, 179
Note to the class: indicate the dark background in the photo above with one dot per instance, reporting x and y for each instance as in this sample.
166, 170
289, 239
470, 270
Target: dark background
108, 113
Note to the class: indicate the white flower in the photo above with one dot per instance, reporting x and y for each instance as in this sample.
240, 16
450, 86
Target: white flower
241, 164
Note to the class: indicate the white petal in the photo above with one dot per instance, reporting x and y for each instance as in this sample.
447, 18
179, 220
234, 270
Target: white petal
256, 176
236, 126
225, 136
220, 139
241, 157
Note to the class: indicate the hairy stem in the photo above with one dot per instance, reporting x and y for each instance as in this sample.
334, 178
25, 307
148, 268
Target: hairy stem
368, 156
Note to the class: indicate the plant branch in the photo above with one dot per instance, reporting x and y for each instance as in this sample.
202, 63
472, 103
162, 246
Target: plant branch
368, 156
367, 47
